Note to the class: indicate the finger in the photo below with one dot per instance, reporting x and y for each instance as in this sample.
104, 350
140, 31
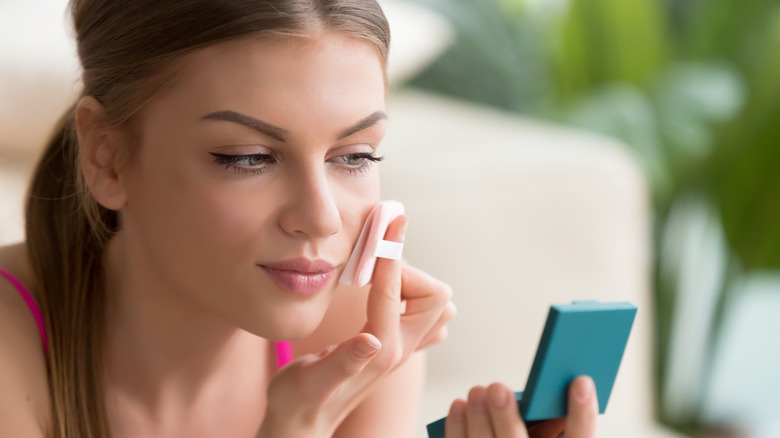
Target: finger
426, 303
384, 298
438, 333
422, 291
477, 417
323, 377
433, 338
504, 414
455, 425
583, 409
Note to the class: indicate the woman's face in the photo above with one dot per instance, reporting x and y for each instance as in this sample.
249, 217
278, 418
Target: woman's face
254, 174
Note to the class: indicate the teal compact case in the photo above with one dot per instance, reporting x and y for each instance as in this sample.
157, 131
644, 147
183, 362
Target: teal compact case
582, 338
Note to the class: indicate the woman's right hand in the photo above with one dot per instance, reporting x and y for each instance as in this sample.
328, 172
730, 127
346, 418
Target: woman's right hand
311, 396
492, 413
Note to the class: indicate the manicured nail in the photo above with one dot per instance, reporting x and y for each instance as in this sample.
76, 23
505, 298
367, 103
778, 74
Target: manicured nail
497, 397
365, 349
584, 390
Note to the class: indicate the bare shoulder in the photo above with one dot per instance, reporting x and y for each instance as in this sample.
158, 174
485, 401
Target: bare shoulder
25, 408
345, 317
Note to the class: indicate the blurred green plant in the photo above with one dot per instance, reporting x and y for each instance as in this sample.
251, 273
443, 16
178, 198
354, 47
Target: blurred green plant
601, 41
690, 86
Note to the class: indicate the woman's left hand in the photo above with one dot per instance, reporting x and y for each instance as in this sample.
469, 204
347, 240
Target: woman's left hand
311, 396
492, 412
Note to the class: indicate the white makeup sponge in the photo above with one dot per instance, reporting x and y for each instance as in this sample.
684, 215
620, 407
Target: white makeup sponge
370, 244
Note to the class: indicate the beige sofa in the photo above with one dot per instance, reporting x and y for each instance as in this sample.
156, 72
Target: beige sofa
515, 214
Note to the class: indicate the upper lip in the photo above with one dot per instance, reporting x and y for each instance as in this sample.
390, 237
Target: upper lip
300, 264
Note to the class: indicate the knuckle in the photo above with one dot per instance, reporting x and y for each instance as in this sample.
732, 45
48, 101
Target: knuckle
435, 338
396, 357
442, 335
449, 312
391, 359
326, 351
443, 294
350, 368
391, 290
447, 291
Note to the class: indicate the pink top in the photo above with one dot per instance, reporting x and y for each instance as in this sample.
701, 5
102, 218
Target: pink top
31, 304
283, 349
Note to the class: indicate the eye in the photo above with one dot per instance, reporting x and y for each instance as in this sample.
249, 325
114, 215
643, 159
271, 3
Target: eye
353, 159
356, 163
244, 164
358, 160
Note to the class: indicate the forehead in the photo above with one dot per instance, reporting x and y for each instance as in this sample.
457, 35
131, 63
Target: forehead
277, 78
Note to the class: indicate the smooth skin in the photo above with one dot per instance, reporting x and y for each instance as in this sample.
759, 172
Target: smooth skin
189, 312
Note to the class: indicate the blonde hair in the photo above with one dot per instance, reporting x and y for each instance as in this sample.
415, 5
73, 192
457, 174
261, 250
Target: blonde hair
128, 51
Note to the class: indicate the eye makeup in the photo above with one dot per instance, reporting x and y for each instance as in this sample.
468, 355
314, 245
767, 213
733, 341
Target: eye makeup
356, 163
249, 164
255, 164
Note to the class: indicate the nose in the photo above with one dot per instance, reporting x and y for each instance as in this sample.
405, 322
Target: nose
312, 210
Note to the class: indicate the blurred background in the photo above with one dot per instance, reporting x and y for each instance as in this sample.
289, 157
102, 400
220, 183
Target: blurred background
692, 90
609, 149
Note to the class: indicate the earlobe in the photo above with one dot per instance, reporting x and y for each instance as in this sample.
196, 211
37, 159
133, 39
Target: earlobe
98, 154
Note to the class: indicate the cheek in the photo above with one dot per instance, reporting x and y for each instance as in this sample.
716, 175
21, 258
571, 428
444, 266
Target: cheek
183, 215
356, 200
230, 223
236, 214
207, 220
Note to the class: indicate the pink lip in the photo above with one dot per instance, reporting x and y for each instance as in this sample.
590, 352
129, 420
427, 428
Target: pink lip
300, 276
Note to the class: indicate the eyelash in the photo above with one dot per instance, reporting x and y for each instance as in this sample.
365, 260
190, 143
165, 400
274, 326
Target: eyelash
231, 161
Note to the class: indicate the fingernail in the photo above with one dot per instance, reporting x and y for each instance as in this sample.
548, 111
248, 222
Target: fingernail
403, 229
497, 397
584, 390
365, 349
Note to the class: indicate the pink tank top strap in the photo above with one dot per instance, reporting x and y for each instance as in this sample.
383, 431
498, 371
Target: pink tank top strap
31, 304
283, 349
283, 353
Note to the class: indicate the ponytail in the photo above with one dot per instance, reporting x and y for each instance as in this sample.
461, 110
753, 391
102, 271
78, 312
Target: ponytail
66, 232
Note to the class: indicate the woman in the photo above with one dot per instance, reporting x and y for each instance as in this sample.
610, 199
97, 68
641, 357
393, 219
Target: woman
193, 211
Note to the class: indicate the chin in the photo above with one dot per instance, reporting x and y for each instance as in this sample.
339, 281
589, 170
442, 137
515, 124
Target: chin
283, 331
282, 317
293, 326
296, 334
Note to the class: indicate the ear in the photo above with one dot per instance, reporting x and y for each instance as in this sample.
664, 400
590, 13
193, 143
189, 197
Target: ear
99, 148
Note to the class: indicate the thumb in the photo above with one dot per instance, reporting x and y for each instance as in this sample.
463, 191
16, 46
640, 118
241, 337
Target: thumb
336, 366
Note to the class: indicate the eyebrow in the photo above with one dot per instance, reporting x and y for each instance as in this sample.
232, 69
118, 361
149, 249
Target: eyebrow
280, 134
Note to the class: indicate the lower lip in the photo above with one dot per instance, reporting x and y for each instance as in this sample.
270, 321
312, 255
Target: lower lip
299, 283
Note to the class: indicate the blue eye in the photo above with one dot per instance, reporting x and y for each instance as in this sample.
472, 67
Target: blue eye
358, 162
244, 164
254, 164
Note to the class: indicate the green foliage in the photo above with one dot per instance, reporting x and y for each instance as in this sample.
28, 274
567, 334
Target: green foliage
603, 41
692, 87
745, 176
503, 66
